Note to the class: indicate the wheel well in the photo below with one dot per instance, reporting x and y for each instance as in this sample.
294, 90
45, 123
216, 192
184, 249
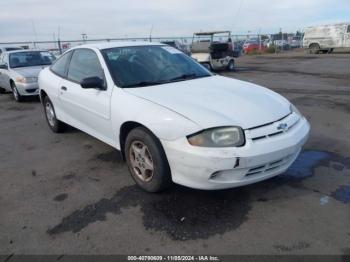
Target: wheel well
124, 131
42, 95
314, 44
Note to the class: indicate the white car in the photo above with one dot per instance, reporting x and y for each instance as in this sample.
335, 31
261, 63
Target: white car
172, 119
19, 71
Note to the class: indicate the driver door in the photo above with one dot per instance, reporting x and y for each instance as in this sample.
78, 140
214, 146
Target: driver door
86, 109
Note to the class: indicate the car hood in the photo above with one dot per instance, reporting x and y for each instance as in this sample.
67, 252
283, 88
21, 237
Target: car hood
218, 101
32, 71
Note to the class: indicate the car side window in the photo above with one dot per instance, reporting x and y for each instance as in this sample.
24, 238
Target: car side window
84, 64
60, 66
348, 28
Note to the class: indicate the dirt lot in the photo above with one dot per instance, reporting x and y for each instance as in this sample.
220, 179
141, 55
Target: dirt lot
71, 194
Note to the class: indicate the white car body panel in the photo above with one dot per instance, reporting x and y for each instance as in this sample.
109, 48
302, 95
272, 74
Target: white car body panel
175, 110
236, 103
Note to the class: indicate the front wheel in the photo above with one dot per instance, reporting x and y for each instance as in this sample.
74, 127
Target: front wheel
231, 66
207, 66
56, 125
147, 161
16, 95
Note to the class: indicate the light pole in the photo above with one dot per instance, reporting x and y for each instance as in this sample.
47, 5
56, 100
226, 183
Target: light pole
84, 37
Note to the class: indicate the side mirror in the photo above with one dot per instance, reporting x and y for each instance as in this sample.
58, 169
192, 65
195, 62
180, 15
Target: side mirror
3, 66
93, 82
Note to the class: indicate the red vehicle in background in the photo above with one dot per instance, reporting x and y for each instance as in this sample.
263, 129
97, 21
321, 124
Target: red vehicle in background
252, 45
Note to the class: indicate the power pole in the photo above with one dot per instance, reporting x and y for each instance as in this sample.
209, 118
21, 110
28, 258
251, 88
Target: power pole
59, 41
281, 40
260, 39
150, 34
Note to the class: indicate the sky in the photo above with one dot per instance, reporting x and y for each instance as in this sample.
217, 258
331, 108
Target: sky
30, 20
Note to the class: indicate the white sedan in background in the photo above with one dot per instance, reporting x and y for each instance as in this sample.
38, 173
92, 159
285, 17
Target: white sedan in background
172, 119
19, 71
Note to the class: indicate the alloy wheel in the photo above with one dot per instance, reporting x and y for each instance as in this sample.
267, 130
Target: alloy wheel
141, 161
15, 93
50, 114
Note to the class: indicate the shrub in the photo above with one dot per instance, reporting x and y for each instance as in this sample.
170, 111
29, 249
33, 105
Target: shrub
272, 49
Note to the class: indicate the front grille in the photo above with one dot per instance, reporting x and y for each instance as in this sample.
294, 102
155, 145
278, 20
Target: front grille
279, 163
270, 130
31, 90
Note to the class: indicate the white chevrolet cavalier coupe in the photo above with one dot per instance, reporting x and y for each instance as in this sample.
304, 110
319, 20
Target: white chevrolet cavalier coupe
171, 119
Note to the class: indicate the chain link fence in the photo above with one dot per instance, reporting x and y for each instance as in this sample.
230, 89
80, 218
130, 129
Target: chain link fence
61, 45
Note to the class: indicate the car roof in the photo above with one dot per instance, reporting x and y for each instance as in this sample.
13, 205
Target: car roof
117, 44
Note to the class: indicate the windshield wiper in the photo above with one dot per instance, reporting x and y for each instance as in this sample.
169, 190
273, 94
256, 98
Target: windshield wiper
145, 83
186, 77
183, 77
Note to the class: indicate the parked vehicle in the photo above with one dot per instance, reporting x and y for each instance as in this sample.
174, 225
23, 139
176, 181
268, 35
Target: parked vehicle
282, 44
7, 49
172, 119
211, 53
178, 46
19, 71
296, 42
326, 38
250, 46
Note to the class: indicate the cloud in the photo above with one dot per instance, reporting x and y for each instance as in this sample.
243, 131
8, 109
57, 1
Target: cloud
134, 18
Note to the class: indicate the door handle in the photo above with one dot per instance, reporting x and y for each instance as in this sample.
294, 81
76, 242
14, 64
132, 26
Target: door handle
63, 88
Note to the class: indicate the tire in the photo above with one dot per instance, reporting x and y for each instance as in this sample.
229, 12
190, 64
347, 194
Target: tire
2, 90
314, 48
231, 66
207, 66
16, 95
56, 125
147, 161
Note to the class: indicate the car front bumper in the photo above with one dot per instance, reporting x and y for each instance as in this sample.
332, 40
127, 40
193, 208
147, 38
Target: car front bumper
219, 168
28, 89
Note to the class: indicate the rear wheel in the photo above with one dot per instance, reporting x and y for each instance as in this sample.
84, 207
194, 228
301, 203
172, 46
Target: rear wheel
314, 48
147, 161
56, 125
2, 90
16, 95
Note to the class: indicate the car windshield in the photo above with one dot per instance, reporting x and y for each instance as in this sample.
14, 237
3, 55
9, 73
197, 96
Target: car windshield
30, 58
138, 66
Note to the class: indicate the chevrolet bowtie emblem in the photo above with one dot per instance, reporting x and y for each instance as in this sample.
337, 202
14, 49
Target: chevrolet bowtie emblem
282, 126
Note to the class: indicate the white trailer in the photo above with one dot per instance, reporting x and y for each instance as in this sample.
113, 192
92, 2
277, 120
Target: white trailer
326, 38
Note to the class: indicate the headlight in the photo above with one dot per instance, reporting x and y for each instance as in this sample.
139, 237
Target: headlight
26, 79
218, 137
295, 110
